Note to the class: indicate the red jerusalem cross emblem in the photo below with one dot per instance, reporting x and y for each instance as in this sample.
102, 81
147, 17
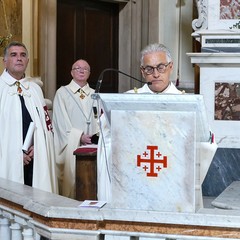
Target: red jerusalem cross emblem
151, 161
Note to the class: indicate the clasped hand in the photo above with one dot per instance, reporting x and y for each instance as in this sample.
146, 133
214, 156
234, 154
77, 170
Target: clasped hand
86, 139
28, 156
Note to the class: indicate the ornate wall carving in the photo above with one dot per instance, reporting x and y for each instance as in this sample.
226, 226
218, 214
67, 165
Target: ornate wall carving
201, 22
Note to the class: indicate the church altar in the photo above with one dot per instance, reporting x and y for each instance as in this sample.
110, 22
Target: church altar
217, 29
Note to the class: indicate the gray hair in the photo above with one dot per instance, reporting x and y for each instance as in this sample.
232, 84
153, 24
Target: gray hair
155, 47
13, 44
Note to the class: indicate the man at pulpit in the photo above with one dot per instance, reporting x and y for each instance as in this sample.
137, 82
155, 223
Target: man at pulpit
156, 68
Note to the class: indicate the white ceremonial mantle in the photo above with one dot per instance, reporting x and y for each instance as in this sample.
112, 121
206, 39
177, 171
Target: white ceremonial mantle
155, 150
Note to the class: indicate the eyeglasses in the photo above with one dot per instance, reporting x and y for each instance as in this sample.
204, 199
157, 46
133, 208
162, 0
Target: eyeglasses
161, 68
79, 69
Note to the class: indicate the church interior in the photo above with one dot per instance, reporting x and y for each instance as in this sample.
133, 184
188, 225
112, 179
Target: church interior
204, 39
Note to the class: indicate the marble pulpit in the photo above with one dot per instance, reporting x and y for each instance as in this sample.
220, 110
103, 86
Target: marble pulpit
156, 141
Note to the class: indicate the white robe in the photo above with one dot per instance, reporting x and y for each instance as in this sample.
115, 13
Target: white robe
171, 89
70, 116
11, 138
104, 148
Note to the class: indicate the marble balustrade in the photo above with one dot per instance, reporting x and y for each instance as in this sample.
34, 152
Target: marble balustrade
27, 213
14, 225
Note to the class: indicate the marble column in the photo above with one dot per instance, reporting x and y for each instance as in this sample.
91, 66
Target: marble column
28, 234
16, 231
4, 229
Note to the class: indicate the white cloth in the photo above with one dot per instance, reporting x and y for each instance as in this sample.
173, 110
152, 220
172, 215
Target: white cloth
171, 89
104, 148
11, 138
70, 117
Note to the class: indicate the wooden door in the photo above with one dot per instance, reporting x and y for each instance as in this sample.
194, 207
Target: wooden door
88, 29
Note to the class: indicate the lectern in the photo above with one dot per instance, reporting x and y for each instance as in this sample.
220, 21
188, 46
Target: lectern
156, 161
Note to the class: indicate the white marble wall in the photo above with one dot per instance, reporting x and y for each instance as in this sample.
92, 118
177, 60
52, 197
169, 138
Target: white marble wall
219, 64
225, 130
218, 68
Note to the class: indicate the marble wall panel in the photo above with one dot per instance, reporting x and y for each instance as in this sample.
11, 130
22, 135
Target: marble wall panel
224, 169
223, 14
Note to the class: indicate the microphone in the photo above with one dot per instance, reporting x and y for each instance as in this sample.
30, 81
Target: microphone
99, 82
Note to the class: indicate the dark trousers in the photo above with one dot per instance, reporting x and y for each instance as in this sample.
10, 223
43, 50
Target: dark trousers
26, 119
28, 174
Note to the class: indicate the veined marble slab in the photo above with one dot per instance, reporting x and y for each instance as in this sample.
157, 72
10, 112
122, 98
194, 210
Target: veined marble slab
158, 102
229, 198
153, 160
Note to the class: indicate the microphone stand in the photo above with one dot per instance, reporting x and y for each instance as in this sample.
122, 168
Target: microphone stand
99, 82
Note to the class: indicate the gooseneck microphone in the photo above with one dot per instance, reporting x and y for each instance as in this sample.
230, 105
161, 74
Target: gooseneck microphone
99, 82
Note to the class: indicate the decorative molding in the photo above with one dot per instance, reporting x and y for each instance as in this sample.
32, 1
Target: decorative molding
201, 22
